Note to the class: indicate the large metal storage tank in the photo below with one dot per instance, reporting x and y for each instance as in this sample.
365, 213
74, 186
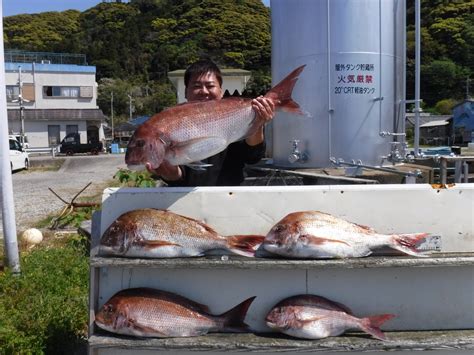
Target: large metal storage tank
353, 83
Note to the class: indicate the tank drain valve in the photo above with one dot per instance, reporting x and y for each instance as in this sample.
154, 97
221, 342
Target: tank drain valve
296, 155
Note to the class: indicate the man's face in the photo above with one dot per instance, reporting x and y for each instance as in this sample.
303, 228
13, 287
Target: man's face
203, 87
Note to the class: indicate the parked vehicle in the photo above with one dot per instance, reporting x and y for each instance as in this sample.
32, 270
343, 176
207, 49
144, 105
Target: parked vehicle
23, 140
71, 144
19, 159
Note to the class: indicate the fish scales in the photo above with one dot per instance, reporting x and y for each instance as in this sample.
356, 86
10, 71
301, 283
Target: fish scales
314, 234
147, 312
315, 317
193, 131
153, 233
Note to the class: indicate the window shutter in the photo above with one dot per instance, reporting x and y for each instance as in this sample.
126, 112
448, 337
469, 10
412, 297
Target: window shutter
86, 91
29, 92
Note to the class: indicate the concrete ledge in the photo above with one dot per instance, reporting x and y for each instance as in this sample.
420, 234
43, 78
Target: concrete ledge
271, 342
237, 262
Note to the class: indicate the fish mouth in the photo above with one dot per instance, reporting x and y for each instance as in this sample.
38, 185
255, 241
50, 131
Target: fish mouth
270, 324
269, 243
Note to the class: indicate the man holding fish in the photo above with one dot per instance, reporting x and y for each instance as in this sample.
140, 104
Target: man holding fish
203, 82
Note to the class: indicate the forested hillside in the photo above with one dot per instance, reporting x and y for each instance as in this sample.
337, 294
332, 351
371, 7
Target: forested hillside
133, 45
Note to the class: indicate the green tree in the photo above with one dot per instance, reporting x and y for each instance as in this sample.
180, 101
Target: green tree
44, 32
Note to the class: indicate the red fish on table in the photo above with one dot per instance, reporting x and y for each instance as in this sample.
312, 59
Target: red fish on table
154, 233
146, 312
314, 234
315, 317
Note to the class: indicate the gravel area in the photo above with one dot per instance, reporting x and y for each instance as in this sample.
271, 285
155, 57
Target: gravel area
34, 201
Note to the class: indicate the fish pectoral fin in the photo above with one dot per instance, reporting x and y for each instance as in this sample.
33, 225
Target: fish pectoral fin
144, 330
297, 323
195, 149
312, 239
365, 228
152, 244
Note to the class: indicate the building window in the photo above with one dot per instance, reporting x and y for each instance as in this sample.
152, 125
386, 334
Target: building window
13, 91
61, 91
72, 128
53, 135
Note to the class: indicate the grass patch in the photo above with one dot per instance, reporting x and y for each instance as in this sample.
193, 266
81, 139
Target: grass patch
49, 165
44, 309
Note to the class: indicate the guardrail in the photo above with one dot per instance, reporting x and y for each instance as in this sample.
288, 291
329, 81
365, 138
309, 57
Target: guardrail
39, 150
461, 168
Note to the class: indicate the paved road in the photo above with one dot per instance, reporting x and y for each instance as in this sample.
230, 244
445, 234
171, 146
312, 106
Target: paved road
33, 200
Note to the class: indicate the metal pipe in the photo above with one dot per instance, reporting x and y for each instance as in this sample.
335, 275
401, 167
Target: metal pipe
8, 206
404, 81
417, 173
330, 109
443, 171
416, 143
112, 113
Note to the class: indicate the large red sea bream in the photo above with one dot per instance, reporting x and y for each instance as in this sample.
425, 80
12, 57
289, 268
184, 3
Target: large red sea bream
314, 234
153, 233
147, 312
315, 317
193, 131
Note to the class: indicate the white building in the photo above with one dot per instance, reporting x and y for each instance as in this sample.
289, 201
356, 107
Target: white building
57, 99
232, 79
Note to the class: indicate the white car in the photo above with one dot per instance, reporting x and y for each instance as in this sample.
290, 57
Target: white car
19, 159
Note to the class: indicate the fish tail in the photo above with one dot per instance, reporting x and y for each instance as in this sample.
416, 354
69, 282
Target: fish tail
371, 325
233, 320
281, 93
245, 245
407, 243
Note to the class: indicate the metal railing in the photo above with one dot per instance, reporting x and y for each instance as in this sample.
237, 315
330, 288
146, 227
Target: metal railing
461, 168
19, 56
51, 150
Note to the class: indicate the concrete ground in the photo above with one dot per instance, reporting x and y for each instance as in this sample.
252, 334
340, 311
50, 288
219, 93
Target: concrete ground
34, 201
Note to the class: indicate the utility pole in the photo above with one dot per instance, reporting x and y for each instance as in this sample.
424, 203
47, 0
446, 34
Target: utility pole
22, 108
467, 88
6, 184
112, 113
130, 105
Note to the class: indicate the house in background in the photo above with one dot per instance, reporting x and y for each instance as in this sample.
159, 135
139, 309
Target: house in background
232, 80
435, 130
59, 97
463, 122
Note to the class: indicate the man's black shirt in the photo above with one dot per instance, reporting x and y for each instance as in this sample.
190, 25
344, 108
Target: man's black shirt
227, 166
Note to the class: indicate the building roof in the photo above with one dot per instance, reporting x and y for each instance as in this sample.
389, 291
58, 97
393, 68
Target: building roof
58, 114
139, 120
38, 67
425, 118
435, 124
224, 72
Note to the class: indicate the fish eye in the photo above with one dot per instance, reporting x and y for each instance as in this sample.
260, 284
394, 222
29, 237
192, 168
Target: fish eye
279, 228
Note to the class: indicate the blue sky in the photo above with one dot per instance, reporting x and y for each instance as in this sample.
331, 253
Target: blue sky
14, 7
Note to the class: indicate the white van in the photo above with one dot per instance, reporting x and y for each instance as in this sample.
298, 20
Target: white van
19, 138
19, 159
